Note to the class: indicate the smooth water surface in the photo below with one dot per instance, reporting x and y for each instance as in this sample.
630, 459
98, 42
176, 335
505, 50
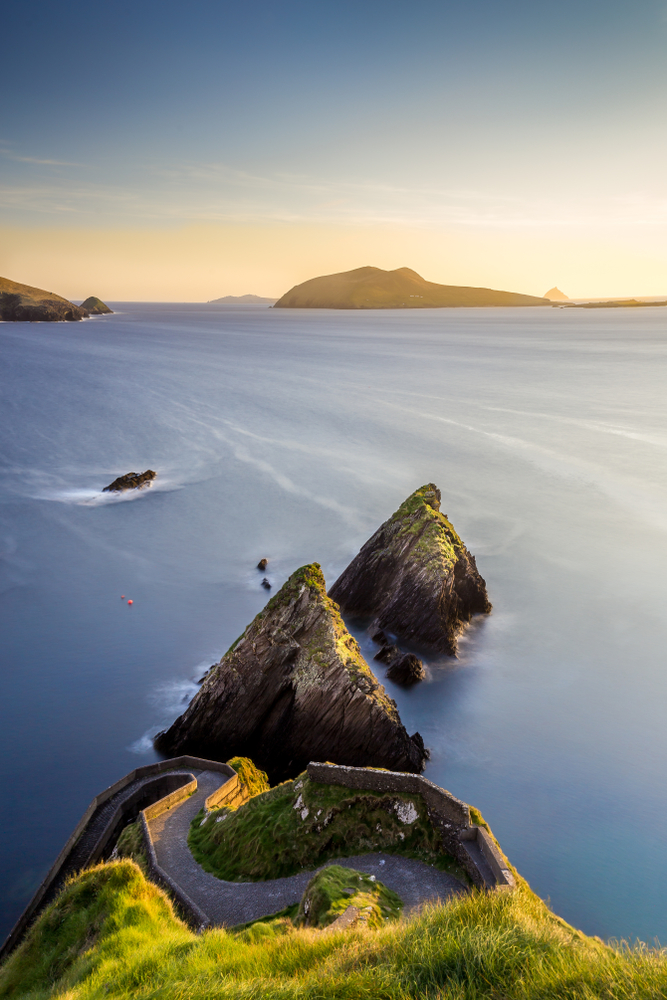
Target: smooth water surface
292, 435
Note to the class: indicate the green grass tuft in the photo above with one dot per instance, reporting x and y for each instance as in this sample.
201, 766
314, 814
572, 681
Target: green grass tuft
255, 781
332, 890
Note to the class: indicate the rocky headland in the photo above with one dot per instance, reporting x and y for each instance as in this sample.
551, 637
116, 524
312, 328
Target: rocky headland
295, 688
131, 481
95, 306
23, 303
373, 288
415, 577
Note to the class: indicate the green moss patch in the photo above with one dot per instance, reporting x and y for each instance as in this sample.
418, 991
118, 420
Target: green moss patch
331, 891
300, 824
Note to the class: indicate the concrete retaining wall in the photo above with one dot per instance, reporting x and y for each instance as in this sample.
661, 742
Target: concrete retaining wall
471, 845
50, 884
233, 793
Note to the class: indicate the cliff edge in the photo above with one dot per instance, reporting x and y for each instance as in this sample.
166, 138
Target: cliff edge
292, 689
23, 303
415, 576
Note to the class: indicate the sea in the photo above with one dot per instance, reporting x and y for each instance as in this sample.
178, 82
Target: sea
291, 435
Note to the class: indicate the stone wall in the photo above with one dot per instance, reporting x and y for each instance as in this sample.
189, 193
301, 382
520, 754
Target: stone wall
110, 828
471, 845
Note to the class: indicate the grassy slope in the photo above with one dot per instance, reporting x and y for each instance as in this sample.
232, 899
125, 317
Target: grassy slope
300, 824
113, 935
373, 288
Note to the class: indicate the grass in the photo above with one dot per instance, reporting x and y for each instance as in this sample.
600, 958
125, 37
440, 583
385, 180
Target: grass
255, 781
113, 935
300, 824
130, 844
332, 890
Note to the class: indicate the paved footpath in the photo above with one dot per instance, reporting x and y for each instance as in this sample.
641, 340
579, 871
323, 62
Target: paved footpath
229, 903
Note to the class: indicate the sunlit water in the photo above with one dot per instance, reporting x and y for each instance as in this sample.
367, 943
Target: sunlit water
292, 435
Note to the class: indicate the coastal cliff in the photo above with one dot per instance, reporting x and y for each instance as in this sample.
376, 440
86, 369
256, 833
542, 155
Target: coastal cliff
23, 303
415, 576
295, 688
373, 288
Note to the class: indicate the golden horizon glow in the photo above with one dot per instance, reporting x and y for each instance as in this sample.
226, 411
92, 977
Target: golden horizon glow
202, 262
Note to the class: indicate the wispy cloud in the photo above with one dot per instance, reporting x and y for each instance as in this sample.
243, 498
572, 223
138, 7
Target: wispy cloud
35, 159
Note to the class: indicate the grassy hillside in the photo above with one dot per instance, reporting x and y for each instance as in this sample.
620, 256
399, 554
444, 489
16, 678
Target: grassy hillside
111, 934
21, 303
301, 824
373, 288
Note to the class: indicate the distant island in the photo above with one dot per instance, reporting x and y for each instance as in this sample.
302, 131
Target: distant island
555, 295
242, 300
23, 303
616, 304
373, 288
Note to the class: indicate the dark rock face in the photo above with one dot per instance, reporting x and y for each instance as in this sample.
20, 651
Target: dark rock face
387, 653
415, 576
292, 689
406, 669
95, 306
131, 481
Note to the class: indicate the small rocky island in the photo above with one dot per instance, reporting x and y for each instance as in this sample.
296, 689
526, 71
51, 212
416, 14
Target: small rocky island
415, 576
131, 481
95, 306
24, 303
295, 688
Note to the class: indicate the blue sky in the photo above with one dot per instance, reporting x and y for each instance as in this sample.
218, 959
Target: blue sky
541, 121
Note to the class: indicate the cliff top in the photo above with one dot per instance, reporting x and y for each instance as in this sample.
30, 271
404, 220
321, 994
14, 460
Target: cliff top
373, 288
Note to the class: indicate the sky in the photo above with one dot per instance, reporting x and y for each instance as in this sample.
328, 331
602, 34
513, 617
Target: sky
157, 150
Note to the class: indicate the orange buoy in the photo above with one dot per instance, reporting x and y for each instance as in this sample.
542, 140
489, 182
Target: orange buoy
122, 597
130, 602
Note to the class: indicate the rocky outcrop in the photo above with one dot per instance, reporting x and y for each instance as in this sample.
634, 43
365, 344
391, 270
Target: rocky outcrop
406, 669
23, 303
131, 481
292, 689
415, 576
95, 306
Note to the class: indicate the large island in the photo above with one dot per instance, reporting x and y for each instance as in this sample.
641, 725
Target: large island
373, 288
24, 303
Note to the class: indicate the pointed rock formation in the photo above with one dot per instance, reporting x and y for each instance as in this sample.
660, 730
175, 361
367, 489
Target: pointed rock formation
292, 689
415, 576
555, 295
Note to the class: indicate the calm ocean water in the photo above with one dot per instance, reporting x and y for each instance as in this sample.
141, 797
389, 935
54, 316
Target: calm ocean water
292, 435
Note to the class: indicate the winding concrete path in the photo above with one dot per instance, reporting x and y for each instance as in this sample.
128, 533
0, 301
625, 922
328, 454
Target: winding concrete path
229, 903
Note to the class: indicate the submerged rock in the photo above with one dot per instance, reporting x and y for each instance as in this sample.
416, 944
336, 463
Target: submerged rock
387, 653
131, 481
406, 669
415, 576
262, 564
95, 306
292, 689
266, 584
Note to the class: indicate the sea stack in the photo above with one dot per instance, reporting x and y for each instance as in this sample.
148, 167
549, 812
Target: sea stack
95, 306
415, 577
292, 689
